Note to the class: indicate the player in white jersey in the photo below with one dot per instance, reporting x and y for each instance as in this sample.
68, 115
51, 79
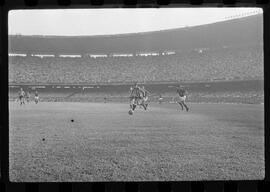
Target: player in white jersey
36, 97
144, 99
160, 99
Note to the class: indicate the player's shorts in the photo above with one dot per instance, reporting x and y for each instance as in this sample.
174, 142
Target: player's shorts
141, 100
36, 98
145, 99
182, 98
134, 100
20, 97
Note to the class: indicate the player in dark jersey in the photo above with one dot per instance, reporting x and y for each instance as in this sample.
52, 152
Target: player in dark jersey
182, 97
36, 97
21, 96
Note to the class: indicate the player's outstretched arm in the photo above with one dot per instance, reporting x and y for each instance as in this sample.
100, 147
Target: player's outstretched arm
147, 91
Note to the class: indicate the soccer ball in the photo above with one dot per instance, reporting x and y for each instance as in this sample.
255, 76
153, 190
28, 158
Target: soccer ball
130, 112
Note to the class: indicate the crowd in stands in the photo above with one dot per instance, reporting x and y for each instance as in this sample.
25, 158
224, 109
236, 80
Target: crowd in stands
221, 63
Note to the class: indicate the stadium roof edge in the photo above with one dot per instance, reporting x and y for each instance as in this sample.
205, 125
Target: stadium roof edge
139, 33
245, 29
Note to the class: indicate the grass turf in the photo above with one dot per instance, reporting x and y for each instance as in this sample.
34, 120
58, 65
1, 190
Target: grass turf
104, 143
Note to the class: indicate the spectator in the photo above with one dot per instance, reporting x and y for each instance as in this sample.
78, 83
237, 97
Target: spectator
221, 63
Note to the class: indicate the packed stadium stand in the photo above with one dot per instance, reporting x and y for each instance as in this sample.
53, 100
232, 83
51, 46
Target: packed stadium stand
224, 63
201, 53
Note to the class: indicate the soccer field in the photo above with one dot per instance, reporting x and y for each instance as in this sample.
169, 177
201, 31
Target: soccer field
104, 143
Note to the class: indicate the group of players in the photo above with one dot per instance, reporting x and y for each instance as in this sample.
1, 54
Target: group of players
25, 97
139, 97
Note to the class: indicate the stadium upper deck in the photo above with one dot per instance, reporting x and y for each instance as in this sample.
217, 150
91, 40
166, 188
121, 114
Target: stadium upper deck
207, 52
218, 64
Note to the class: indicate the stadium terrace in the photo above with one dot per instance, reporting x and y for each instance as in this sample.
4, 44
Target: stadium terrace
202, 53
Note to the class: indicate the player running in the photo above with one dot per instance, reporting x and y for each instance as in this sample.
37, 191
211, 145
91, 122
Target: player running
144, 99
160, 99
36, 97
21, 94
135, 96
182, 97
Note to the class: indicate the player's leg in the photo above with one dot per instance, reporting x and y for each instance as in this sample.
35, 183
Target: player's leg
144, 106
132, 103
180, 103
145, 102
140, 100
136, 102
20, 98
184, 103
